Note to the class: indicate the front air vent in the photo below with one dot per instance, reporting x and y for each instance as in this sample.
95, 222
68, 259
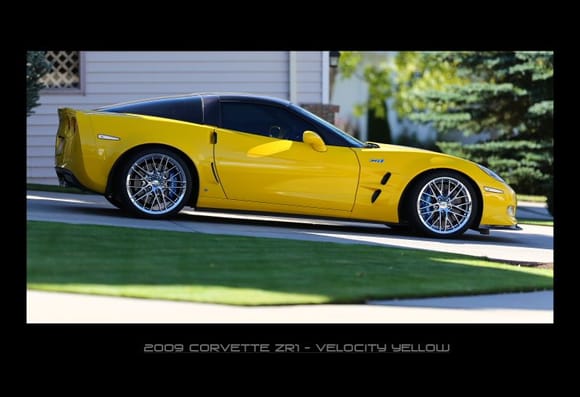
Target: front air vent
375, 195
385, 178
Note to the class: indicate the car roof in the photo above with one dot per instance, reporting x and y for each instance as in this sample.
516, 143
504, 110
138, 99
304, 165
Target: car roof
233, 96
226, 96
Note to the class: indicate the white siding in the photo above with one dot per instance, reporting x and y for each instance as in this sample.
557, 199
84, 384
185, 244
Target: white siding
309, 77
118, 76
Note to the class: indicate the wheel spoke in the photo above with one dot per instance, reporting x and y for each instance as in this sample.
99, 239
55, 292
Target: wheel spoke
436, 188
451, 191
165, 196
157, 198
142, 192
168, 170
429, 203
458, 213
467, 203
430, 194
140, 171
457, 220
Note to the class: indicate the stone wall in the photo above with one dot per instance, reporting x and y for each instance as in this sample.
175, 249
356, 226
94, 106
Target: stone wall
324, 111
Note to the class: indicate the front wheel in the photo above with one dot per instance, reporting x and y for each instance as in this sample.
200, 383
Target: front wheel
442, 204
154, 183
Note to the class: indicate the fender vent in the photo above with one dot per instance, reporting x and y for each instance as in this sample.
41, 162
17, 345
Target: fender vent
385, 178
376, 195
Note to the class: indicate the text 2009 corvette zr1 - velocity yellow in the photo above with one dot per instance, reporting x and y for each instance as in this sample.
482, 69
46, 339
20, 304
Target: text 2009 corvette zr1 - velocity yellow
260, 154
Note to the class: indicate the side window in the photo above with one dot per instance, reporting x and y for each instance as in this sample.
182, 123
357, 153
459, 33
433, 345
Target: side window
263, 120
184, 109
245, 117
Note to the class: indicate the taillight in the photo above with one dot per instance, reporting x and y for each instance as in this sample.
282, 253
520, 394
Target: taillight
59, 145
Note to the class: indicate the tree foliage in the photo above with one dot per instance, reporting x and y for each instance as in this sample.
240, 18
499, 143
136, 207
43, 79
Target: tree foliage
504, 97
36, 67
509, 93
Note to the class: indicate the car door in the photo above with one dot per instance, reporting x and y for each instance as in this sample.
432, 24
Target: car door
260, 157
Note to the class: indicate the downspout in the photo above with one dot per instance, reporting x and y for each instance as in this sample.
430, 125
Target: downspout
325, 78
292, 78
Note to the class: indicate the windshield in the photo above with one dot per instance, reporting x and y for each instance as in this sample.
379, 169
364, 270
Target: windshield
349, 138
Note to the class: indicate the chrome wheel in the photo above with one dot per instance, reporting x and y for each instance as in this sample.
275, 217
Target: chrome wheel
157, 183
444, 206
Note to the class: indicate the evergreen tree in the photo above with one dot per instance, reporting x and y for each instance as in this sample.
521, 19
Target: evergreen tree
36, 67
506, 97
509, 93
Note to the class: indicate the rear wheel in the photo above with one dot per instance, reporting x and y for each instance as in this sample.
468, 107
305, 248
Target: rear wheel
442, 204
153, 183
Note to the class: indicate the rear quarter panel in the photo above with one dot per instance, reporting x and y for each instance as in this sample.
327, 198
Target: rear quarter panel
99, 156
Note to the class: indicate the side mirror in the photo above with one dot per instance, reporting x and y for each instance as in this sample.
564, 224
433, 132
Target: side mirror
314, 140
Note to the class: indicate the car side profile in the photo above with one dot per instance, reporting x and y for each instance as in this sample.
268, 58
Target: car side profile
223, 151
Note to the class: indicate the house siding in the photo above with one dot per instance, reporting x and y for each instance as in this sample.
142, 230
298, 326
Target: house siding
118, 76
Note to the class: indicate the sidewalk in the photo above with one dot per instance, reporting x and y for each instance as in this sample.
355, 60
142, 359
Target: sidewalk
56, 307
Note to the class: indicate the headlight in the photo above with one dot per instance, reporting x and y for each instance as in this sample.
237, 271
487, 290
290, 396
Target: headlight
491, 173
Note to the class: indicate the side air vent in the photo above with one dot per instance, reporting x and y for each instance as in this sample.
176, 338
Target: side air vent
385, 178
375, 195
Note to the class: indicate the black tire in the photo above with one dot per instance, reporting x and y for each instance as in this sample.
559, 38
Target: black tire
442, 204
114, 201
153, 183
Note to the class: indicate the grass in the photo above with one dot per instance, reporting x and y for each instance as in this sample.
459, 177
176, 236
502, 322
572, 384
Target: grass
252, 271
535, 222
530, 198
54, 188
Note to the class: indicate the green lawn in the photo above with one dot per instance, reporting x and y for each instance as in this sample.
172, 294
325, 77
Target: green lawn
252, 271
535, 222
55, 188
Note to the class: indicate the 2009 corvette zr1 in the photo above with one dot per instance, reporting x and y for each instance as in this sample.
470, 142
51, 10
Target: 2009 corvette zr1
260, 154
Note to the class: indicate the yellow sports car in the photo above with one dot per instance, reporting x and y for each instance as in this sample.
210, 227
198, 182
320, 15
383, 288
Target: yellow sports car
260, 154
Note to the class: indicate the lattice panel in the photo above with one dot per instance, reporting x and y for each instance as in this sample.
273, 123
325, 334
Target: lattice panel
65, 72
